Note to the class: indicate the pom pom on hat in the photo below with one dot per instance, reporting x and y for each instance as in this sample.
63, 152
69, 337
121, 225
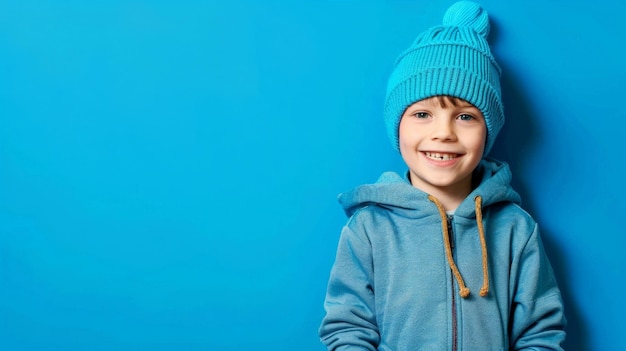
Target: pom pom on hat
452, 59
468, 14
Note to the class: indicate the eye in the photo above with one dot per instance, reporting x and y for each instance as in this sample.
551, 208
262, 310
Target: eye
466, 117
421, 115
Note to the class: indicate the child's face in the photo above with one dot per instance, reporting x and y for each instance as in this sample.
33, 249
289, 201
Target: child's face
442, 145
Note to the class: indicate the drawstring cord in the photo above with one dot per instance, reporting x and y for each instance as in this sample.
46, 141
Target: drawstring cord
463, 290
478, 201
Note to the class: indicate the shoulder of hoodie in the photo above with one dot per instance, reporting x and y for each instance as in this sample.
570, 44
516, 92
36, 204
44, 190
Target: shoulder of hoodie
370, 218
525, 223
362, 220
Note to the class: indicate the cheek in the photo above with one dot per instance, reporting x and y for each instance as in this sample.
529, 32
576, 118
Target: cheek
480, 141
409, 150
405, 143
483, 139
406, 133
406, 140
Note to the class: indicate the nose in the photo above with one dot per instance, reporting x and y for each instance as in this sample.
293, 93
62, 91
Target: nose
443, 130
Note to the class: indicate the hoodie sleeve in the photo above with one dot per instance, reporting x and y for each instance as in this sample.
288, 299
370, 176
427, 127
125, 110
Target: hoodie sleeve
350, 321
538, 321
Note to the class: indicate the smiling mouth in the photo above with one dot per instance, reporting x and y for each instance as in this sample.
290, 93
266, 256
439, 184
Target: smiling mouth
440, 156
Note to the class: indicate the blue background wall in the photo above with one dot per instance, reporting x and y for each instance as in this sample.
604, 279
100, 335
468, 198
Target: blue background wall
169, 169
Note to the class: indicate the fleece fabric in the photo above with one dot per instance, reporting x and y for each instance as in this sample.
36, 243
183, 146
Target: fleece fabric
391, 287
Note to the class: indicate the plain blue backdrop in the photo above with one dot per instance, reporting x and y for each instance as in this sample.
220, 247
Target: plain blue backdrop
169, 169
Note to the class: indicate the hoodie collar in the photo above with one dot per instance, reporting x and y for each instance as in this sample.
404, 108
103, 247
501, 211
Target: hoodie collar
396, 193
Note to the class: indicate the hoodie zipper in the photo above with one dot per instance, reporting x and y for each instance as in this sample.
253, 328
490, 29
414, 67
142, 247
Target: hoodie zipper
454, 312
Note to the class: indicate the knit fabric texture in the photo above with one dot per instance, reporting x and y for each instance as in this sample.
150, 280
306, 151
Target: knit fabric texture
450, 59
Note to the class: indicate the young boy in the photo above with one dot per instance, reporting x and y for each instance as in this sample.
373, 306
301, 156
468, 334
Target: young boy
443, 258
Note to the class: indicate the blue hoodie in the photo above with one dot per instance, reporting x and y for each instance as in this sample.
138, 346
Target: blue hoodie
402, 266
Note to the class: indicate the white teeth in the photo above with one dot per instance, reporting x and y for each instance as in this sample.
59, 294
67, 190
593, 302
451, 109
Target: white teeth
440, 157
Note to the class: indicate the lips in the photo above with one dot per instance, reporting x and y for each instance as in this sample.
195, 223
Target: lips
440, 156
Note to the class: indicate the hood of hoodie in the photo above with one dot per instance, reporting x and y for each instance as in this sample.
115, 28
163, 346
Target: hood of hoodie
395, 193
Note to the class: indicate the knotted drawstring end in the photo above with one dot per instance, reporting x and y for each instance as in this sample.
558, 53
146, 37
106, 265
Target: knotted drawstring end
464, 292
484, 291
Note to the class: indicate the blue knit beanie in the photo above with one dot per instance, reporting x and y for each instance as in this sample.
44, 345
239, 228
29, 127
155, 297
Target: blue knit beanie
451, 59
